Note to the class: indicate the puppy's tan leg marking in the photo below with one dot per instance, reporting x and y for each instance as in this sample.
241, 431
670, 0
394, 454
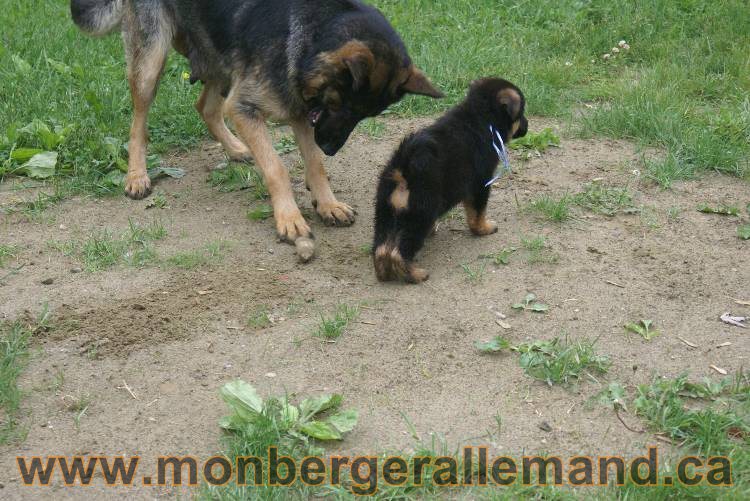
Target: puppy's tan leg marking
390, 265
211, 107
478, 222
290, 224
400, 196
333, 212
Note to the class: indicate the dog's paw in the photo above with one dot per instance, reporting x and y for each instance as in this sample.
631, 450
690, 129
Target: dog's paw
240, 156
336, 214
416, 275
484, 227
137, 186
291, 225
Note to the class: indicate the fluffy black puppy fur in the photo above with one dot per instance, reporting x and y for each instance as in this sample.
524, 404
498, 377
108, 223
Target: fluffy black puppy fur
436, 168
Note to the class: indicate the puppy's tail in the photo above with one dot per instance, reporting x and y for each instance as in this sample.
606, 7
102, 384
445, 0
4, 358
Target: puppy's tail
97, 17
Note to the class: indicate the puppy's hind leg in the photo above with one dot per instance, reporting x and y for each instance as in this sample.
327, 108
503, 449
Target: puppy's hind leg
147, 38
211, 107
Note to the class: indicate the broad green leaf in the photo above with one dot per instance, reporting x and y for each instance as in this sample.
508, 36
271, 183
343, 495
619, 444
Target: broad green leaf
233, 422
539, 307
316, 405
493, 346
115, 179
173, 172
290, 414
744, 232
613, 395
243, 399
41, 165
529, 298
24, 154
321, 431
518, 306
637, 329
722, 210
344, 421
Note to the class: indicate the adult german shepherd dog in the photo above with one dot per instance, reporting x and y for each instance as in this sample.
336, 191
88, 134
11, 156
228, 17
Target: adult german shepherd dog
320, 65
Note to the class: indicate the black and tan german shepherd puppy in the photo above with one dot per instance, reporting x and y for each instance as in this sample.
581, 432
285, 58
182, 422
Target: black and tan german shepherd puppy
320, 65
434, 169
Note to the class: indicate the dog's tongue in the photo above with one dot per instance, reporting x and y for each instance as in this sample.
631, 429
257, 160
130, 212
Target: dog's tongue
315, 115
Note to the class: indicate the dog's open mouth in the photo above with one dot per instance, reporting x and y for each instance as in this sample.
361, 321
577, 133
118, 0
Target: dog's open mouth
315, 115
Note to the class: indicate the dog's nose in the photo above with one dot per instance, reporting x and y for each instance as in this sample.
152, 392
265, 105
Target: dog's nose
330, 149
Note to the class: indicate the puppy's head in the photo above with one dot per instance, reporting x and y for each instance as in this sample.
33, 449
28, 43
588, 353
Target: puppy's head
505, 101
356, 81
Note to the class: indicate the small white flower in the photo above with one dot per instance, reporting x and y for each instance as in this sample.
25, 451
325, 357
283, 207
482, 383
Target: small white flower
615, 50
626, 47
606, 56
622, 44
636, 172
568, 63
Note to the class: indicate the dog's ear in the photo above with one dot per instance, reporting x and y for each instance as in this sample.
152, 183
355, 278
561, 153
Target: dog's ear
356, 58
418, 83
510, 100
360, 66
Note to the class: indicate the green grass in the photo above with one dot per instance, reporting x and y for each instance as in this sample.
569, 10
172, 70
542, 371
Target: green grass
603, 199
14, 352
209, 254
474, 274
550, 208
259, 319
332, 327
537, 250
682, 86
7, 252
236, 177
103, 250
260, 213
561, 361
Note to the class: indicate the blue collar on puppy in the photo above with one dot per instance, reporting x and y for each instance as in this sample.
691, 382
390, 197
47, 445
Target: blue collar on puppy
502, 154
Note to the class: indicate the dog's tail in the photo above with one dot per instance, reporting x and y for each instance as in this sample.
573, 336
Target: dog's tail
97, 17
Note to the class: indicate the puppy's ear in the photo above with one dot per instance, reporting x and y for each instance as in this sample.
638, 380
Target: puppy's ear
418, 83
510, 100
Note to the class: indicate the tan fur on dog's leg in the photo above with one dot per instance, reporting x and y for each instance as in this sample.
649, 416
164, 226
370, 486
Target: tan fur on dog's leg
478, 222
145, 66
211, 107
290, 224
333, 212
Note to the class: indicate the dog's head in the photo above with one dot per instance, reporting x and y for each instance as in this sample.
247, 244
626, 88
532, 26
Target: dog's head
505, 102
355, 81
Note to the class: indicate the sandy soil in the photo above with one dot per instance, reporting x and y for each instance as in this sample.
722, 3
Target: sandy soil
411, 350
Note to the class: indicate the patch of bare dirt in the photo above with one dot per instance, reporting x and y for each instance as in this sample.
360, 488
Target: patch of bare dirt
174, 337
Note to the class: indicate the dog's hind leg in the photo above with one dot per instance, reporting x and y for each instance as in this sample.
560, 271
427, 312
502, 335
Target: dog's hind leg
290, 224
211, 107
333, 212
147, 36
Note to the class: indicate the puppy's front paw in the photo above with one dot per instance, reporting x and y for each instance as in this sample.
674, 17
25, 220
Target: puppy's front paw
416, 275
484, 227
336, 213
137, 186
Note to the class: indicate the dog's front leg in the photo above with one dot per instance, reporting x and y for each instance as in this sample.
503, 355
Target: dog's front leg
290, 224
333, 212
